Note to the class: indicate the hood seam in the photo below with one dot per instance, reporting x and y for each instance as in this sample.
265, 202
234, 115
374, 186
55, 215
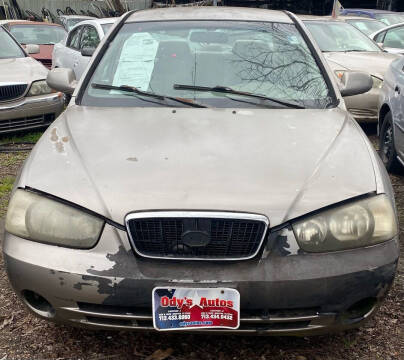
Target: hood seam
314, 172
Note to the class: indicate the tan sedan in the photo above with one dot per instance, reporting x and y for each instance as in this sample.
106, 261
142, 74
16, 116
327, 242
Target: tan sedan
348, 49
26, 101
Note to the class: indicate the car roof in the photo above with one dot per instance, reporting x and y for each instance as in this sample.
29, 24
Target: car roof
24, 22
209, 13
77, 17
97, 21
311, 17
3, 22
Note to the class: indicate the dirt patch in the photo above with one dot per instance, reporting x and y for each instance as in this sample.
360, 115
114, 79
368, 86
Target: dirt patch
23, 336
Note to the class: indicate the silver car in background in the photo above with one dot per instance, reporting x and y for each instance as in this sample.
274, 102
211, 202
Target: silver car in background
348, 49
206, 150
391, 117
76, 50
366, 25
390, 38
26, 101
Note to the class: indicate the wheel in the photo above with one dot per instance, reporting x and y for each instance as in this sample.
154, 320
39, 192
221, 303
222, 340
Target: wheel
387, 148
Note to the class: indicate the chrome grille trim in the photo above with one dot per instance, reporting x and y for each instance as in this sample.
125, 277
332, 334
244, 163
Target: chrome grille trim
12, 91
197, 214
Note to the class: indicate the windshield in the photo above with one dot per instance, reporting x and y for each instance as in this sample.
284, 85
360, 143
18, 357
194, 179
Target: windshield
38, 34
270, 59
367, 26
106, 27
390, 19
9, 49
339, 36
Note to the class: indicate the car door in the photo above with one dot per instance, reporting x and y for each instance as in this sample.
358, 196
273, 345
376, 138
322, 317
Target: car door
69, 54
397, 105
89, 39
393, 41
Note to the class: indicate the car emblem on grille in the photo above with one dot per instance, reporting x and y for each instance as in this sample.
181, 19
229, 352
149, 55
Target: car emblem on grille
195, 238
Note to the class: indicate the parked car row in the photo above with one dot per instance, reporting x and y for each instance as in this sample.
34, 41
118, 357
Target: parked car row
207, 175
26, 101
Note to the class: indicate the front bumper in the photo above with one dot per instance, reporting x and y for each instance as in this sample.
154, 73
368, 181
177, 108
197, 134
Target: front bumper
30, 112
364, 107
282, 292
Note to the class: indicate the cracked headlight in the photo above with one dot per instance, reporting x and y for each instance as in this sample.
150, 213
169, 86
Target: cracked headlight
39, 88
362, 223
38, 218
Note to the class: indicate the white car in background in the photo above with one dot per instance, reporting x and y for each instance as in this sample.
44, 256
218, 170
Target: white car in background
391, 38
69, 21
76, 50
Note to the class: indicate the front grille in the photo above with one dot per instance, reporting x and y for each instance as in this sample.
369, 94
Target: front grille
10, 92
30, 122
197, 237
251, 321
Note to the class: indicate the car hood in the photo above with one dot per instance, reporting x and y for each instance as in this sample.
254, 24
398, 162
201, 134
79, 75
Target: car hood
21, 70
281, 163
376, 63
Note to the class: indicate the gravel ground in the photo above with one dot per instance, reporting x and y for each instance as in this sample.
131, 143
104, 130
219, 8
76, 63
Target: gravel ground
23, 336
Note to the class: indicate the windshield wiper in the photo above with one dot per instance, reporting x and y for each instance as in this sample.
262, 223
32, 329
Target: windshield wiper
137, 91
228, 90
356, 50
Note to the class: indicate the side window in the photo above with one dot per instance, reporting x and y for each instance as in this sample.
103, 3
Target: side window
380, 37
89, 38
395, 38
74, 39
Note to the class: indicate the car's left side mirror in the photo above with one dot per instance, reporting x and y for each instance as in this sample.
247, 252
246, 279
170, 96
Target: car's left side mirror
32, 49
87, 51
355, 83
62, 79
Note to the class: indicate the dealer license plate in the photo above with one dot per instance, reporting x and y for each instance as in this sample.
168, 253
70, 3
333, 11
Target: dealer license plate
195, 308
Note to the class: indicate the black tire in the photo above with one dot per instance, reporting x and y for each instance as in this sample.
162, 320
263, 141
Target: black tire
387, 149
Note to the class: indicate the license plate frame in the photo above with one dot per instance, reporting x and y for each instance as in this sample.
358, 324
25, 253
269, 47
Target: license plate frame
195, 308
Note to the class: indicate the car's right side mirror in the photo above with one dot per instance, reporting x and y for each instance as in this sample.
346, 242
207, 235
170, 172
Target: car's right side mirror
355, 83
32, 49
62, 79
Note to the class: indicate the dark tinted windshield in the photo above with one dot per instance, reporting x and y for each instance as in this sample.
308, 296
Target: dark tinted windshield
9, 49
339, 36
38, 34
270, 59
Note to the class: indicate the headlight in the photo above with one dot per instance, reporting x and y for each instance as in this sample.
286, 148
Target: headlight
38, 218
39, 88
377, 83
362, 223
